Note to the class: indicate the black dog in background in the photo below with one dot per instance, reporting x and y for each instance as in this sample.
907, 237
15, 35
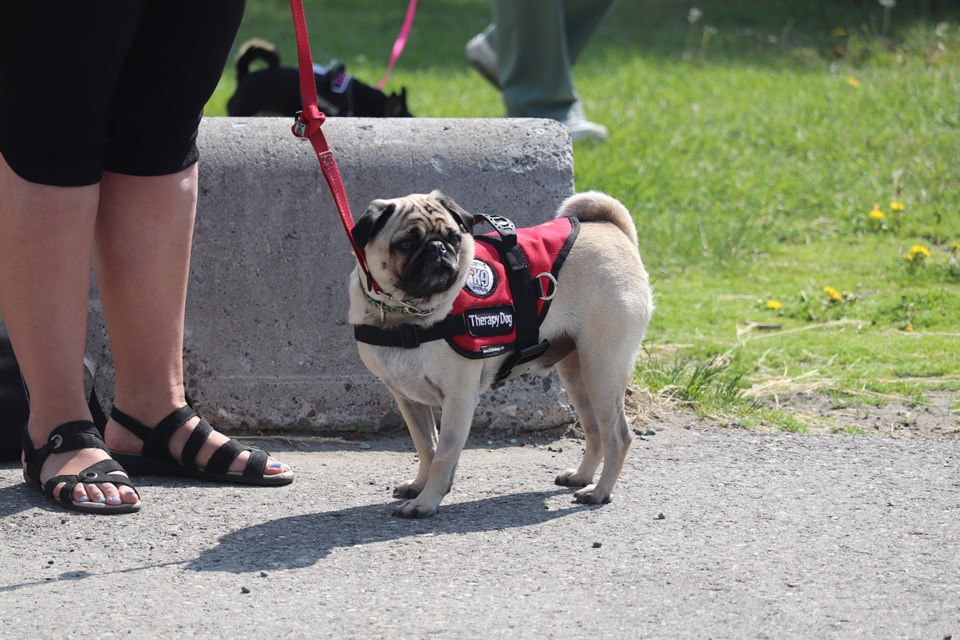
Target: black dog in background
275, 91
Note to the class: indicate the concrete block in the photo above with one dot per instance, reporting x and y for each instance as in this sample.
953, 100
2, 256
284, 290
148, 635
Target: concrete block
267, 344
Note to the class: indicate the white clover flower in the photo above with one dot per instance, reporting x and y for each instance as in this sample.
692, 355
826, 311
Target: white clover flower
889, 4
694, 16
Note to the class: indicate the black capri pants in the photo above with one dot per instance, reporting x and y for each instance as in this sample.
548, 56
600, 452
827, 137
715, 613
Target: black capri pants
115, 85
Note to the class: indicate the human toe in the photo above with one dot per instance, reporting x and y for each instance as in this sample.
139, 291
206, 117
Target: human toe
275, 467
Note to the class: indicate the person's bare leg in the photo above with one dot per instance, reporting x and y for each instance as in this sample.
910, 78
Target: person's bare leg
144, 235
45, 250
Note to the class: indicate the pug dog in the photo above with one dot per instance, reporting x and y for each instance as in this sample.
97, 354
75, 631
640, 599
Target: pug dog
420, 253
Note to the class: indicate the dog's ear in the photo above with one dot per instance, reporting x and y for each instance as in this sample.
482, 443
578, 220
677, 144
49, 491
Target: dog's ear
396, 105
463, 217
371, 222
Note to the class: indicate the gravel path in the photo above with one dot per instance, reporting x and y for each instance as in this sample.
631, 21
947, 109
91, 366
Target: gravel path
712, 533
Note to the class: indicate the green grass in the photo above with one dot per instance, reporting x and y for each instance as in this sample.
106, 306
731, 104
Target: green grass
751, 160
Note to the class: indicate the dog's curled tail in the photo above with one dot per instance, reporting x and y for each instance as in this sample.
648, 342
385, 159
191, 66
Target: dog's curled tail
594, 206
256, 49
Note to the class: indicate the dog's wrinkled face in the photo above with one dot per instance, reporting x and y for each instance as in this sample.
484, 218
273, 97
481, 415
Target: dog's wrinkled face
418, 247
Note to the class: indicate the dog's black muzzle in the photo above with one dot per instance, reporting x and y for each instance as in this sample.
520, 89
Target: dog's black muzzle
434, 270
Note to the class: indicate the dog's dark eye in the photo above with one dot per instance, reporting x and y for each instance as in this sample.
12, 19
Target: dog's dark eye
407, 245
455, 241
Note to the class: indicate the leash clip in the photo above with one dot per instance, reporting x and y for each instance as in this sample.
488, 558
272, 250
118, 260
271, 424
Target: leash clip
299, 126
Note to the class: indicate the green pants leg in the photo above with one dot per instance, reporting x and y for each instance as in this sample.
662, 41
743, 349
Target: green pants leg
537, 43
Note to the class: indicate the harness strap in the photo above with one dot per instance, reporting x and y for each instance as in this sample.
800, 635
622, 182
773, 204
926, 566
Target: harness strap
410, 336
308, 125
525, 296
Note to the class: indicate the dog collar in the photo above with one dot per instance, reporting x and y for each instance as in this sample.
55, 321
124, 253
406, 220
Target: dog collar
401, 307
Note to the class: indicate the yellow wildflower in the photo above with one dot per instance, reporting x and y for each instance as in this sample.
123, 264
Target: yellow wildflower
896, 206
955, 247
853, 82
908, 328
832, 294
918, 253
774, 305
876, 214
840, 32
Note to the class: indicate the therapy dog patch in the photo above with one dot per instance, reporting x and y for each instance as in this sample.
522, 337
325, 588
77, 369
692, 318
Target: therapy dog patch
482, 280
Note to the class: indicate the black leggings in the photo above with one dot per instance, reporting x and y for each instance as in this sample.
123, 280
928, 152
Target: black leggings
115, 85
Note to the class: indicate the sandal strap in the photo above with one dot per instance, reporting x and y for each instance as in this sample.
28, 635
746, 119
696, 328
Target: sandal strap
129, 423
156, 441
157, 446
70, 436
194, 443
256, 464
223, 457
97, 473
220, 460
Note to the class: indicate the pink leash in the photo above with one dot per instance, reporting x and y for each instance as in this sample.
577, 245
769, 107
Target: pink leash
400, 42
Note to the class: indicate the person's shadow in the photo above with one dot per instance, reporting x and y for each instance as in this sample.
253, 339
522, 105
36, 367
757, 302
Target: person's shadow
300, 541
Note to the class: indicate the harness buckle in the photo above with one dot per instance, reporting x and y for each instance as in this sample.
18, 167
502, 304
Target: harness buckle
533, 352
503, 226
409, 335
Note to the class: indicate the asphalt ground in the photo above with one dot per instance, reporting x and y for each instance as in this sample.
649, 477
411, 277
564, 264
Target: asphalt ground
712, 533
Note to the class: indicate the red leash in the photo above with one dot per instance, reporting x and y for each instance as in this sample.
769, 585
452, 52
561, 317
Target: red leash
308, 125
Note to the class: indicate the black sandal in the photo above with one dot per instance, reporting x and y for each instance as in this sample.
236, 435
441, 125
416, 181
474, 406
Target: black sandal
156, 459
74, 436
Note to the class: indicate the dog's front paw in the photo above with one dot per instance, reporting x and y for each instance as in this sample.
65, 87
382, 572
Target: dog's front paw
590, 495
407, 490
569, 478
410, 509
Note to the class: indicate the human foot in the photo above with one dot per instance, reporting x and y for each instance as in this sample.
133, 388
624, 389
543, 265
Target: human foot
483, 58
183, 444
73, 468
583, 129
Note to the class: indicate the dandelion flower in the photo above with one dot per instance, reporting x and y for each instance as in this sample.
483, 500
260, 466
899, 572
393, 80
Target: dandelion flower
853, 82
918, 253
955, 247
896, 206
908, 328
876, 214
774, 305
832, 294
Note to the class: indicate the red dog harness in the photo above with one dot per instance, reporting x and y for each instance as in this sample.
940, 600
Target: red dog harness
505, 299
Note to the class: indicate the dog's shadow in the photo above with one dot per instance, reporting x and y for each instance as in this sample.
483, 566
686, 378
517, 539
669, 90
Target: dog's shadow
303, 540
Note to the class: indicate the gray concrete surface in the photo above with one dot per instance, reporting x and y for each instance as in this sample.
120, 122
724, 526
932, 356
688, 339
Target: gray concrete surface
712, 534
267, 343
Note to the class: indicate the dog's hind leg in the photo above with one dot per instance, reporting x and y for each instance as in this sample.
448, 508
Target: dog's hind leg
604, 377
569, 370
423, 432
616, 441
